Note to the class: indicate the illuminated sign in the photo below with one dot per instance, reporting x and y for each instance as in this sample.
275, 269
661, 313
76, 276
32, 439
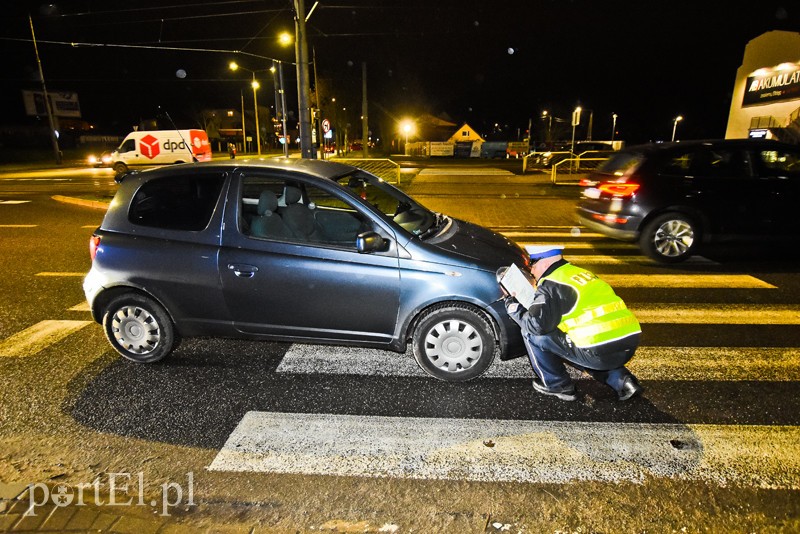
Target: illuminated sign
773, 85
758, 134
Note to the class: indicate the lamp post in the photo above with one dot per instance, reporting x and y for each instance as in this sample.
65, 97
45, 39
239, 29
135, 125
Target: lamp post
675, 126
613, 125
546, 115
407, 127
255, 85
279, 86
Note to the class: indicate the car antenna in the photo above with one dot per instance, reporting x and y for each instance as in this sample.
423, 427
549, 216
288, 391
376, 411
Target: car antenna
188, 146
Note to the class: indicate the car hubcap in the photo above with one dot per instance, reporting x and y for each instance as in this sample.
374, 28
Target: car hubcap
136, 330
453, 345
673, 238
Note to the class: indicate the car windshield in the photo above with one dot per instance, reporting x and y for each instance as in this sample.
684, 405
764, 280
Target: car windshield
394, 205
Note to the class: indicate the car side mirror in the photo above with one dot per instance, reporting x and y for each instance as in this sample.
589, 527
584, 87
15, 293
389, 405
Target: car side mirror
371, 242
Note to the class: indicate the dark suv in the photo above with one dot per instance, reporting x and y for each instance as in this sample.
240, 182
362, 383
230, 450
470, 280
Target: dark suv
297, 250
671, 197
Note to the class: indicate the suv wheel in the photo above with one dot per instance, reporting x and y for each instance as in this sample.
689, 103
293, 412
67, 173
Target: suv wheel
454, 343
139, 329
669, 238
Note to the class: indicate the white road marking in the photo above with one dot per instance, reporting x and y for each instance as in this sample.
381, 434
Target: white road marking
622, 260
60, 273
14, 201
18, 225
38, 337
686, 281
514, 451
82, 307
465, 171
779, 364
753, 314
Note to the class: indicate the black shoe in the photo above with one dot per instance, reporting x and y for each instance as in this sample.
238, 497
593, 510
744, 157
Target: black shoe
630, 388
567, 393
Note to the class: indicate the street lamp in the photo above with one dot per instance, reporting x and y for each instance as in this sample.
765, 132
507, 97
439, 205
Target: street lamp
546, 115
613, 125
255, 85
407, 127
675, 126
279, 86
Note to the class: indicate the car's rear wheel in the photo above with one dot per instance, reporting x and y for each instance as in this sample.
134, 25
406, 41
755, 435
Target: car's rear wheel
669, 238
139, 328
454, 343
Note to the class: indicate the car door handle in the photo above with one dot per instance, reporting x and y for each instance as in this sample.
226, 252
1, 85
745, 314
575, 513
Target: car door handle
243, 270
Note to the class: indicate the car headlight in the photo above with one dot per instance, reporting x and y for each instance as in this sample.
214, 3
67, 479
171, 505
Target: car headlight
92, 160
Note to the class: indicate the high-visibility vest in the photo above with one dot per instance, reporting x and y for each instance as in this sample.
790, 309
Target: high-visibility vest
599, 315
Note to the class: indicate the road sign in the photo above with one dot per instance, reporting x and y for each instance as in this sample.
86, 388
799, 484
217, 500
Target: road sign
326, 125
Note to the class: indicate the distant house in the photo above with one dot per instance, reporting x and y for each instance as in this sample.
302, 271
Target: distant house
465, 133
430, 128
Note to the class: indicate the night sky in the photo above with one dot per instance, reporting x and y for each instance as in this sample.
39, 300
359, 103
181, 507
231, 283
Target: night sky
481, 62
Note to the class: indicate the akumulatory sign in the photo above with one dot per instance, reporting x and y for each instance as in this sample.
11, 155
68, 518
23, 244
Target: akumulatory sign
774, 84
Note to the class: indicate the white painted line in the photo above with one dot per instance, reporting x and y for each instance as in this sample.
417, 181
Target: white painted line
38, 337
14, 201
465, 171
773, 364
584, 235
753, 314
513, 451
622, 260
55, 273
82, 307
728, 364
18, 225
687, 281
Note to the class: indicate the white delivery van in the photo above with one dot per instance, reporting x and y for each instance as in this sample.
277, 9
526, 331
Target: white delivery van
161, 147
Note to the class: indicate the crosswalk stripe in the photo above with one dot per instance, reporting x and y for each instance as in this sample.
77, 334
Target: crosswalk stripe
730, 364
14, 201
512, 451
82, 307
38, 337
752, 314
686, 281
59, 273
18, 225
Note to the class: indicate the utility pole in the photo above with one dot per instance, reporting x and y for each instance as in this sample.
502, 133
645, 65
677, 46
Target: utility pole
303, 86
50, 118
364, 116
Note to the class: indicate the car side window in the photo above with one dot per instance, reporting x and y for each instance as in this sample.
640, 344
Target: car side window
177, 202
709, 162
783, 162
284, 210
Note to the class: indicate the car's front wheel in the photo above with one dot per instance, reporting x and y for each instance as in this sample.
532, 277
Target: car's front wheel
139, 328
120, 167
669, 238
454, 343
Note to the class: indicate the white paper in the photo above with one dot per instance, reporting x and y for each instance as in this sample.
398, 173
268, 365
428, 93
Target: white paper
518, 284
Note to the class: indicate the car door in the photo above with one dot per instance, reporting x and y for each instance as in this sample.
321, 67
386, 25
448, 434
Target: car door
717, 182
308, 287
778, 173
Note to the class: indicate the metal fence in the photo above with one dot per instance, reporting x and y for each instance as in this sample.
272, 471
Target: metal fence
382, 168
571, 171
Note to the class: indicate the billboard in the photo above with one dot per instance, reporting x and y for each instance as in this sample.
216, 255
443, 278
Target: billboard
773, 85
64, 104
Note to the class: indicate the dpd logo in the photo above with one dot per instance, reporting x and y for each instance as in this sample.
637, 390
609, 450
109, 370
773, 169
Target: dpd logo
148, 146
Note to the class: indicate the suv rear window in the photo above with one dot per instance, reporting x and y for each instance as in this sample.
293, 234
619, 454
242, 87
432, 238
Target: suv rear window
621, 163
176, 202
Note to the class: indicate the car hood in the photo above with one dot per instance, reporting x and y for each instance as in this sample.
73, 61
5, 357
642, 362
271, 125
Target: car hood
481, 246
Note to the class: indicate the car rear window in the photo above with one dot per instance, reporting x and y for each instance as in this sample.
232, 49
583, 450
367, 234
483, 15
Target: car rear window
177, 202
621, 163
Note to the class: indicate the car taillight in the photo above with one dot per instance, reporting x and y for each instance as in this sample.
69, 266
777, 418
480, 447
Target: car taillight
619, 189
94, 244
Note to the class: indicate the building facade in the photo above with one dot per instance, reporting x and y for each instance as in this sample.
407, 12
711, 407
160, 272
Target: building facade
766, 94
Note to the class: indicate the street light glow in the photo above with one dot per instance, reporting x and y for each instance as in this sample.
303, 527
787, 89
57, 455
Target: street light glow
285, 39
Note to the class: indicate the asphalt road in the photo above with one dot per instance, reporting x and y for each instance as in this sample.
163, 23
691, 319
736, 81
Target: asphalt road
291, 437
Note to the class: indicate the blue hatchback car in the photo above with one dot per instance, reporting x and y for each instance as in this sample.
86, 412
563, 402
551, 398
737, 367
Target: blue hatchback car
302, 251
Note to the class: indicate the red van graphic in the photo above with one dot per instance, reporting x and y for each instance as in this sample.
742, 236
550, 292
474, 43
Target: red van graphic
148, 146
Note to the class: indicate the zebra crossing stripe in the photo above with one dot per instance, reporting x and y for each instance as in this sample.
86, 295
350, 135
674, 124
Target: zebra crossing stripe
14, 201
57, 274
752, 314
781, 364
38, 337
687, 281
18, 226
511, 451
82, 307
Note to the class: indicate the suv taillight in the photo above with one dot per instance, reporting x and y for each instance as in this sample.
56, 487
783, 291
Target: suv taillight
619, 189
94, 244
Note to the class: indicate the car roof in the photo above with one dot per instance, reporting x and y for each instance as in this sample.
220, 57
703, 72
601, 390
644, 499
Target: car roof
680, 145
319, 168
